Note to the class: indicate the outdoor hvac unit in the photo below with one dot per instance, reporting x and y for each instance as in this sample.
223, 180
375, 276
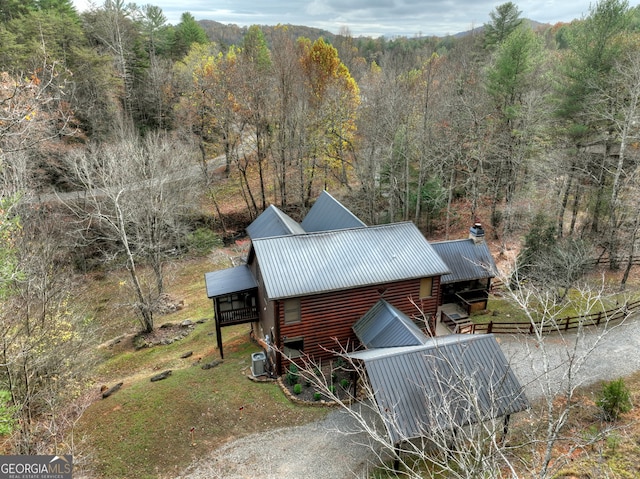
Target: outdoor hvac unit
257, 363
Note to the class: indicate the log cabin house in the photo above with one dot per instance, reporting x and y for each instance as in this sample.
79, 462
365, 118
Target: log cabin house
304, 285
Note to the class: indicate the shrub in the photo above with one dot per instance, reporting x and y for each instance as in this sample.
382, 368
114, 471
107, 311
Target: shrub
614, 400
332, 389
203, 240
613, 441
7, 413
316, 396
297, 389
344, 383
292, 375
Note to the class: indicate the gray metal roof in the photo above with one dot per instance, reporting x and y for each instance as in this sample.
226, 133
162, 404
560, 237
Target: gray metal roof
313, 263
450, 381
385, 326
273, 222
466, 260
230, 280
328, 214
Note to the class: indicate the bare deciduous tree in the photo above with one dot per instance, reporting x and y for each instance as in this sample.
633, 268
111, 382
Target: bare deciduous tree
136, 193
557, 365
618, 104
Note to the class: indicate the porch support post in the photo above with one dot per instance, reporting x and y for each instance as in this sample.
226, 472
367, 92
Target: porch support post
505, 428
216, 307
396, 460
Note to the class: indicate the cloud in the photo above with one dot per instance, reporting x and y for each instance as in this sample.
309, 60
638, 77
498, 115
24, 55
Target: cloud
367, 17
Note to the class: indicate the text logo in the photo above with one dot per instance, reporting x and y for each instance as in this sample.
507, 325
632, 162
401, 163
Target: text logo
36, 467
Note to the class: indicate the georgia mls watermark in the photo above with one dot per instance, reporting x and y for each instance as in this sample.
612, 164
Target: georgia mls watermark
36, 467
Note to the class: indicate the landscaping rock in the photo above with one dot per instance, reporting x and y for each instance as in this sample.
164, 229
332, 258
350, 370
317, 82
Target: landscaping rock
161, 376
212, 364
186, 323
186, 355
110, 391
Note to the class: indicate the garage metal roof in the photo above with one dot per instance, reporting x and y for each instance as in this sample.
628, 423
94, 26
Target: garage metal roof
466, 260
385, 326
230, 280
448, 382
313, 263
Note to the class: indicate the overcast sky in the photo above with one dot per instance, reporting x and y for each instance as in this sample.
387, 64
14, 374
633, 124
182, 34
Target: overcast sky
366, 17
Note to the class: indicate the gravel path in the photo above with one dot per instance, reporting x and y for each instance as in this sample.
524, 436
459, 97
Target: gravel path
320, 450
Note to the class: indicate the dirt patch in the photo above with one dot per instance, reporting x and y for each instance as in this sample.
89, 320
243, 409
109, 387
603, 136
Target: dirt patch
164, 335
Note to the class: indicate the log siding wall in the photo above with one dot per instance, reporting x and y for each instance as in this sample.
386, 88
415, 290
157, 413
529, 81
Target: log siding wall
332, 315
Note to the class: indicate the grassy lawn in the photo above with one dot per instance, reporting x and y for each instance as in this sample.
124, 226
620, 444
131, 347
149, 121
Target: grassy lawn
501, 309
145, 429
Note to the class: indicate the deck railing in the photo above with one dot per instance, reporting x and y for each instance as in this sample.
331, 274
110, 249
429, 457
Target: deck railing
239, 316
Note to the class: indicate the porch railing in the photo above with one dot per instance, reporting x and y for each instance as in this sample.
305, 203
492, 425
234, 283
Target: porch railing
238, 316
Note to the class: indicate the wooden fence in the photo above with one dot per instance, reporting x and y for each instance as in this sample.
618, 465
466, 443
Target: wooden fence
565, 324
621, 260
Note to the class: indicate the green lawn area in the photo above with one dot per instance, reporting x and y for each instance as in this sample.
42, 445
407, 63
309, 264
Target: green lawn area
144, 430
502, 309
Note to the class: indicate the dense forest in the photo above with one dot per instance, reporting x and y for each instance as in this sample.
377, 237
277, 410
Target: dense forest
112, 123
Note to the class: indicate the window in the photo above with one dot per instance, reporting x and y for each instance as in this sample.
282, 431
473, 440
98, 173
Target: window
293, 347
291, 311
426, 284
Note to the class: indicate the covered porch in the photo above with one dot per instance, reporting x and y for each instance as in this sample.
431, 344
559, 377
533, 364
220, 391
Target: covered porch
234, 292
453, 316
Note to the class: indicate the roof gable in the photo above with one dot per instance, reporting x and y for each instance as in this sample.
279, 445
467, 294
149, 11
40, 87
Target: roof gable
385, 326
413, 384
313, 263
273, 222
466, 259
328, 214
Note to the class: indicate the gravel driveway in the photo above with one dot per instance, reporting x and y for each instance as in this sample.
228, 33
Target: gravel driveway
319, 451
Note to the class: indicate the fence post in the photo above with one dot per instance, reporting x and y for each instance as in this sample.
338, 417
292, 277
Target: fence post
566, 324
490, 327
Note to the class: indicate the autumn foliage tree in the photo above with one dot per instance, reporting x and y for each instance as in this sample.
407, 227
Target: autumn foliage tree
331, 101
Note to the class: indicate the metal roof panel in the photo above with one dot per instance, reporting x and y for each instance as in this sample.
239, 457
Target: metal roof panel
431, 386
273, 222
466, 260
385, 326
329, 214
313, 263
230, 280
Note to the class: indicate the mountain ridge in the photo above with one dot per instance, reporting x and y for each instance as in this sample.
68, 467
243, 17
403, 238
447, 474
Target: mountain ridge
232, 34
